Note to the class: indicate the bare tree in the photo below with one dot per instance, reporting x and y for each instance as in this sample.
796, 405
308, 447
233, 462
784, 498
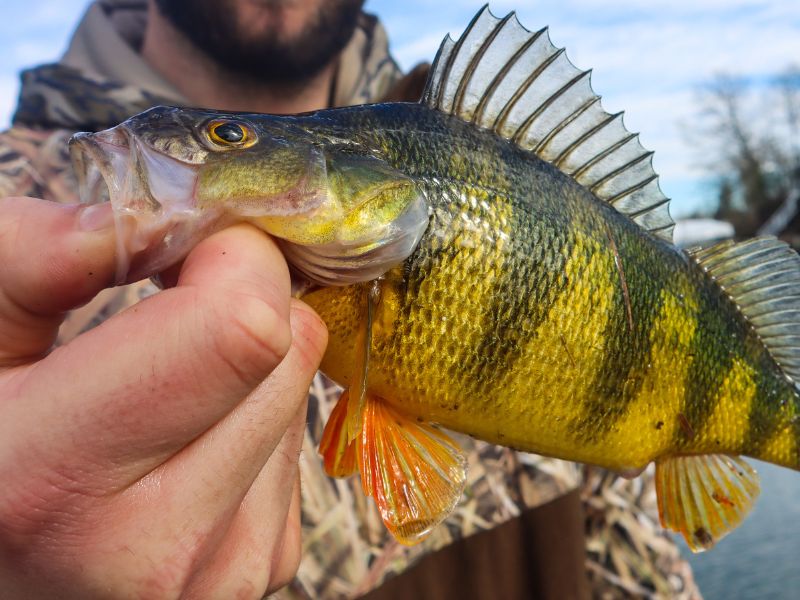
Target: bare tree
751, 146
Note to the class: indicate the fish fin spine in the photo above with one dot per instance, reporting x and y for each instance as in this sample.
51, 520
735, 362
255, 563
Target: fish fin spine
500, 76
704, 497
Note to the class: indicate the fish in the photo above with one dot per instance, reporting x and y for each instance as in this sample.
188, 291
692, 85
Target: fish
495, 260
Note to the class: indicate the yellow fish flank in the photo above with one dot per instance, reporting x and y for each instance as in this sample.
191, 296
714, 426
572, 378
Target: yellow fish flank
497, 260
571, 344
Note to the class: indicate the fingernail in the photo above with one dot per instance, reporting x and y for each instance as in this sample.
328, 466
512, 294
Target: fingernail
96, 216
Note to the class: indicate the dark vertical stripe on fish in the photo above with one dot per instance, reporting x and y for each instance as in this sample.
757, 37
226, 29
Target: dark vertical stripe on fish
767, 416
711, 361
524, 292
637, 305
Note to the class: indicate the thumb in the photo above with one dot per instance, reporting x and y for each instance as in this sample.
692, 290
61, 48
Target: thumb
54, 257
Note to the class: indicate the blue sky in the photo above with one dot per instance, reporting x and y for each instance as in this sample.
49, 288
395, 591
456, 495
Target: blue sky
649, 58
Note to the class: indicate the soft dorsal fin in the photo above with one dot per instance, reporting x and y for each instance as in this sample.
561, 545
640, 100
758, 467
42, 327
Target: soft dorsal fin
762, 276
515, 82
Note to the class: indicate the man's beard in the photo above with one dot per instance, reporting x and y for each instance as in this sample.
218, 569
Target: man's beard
268, 57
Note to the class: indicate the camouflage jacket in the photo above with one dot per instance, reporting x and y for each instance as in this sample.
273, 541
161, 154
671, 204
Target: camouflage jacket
102, 80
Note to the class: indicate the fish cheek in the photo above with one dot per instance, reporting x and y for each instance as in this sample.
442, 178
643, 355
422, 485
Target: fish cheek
280, 184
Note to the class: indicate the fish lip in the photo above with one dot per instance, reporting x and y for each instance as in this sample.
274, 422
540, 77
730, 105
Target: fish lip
116, 158
137, 178
93, 156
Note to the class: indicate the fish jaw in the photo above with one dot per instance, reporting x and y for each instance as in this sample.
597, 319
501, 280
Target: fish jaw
156, 216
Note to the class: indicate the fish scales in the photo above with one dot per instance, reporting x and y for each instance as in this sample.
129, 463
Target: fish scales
496, 260
509, 320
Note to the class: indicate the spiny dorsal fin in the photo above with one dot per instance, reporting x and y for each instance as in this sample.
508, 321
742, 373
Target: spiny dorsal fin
762, 276
515, 82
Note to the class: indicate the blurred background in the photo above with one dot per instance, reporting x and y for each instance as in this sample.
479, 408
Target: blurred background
714, 88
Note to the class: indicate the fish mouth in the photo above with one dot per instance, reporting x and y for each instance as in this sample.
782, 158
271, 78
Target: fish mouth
155, 212
114, 165
153, 197
99, 161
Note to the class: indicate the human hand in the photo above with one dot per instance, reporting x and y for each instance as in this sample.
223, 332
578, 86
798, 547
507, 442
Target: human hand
156, 455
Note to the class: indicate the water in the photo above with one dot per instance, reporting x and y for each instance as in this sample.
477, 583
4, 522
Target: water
761, 559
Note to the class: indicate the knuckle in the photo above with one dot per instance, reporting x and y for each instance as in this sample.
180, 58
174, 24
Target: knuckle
170, 574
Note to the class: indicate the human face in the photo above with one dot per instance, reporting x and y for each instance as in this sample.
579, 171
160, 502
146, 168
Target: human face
271, 41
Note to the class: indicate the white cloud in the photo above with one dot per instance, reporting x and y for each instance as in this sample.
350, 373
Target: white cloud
36, 52
33, 15
32, 32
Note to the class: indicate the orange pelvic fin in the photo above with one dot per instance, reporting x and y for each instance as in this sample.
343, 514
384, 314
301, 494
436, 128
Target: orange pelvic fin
704, 497
338, 452
415, 473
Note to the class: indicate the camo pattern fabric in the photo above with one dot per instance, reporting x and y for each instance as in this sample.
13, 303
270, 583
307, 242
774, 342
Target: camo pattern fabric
346, 549
57, 96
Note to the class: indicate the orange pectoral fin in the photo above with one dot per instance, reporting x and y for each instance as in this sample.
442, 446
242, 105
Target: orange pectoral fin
337, 450
415, 473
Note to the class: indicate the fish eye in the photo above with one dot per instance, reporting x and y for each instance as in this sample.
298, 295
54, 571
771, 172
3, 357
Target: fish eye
230, 133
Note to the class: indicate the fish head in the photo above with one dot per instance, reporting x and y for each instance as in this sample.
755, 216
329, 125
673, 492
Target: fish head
175, 175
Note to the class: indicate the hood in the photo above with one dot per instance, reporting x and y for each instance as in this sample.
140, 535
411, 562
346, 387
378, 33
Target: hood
102, 79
